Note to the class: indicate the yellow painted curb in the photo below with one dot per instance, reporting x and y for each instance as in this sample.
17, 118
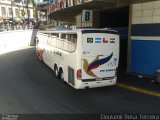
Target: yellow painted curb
133, 88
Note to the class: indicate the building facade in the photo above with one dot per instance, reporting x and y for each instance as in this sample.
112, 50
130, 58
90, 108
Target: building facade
15, 8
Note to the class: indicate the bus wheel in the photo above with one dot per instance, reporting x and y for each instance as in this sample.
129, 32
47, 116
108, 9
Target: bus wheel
56, 72
61, 75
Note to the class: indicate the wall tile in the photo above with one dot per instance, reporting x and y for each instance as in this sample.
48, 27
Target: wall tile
156, 12
147, 13
136, 7
147, 19
156, 19
137, 20
137, 13
148, 5
157, 4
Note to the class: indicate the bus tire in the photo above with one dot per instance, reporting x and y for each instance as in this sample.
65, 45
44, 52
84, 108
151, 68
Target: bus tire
61, 75
56, 72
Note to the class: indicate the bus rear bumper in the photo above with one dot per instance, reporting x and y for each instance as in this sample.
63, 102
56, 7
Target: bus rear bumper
94, 84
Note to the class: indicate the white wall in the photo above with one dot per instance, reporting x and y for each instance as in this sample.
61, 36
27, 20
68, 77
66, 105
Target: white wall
12, 40
146, 13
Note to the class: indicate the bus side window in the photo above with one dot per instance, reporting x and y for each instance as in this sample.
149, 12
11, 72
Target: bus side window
71, 38
63, 36
68, 37
74, 38
55, 34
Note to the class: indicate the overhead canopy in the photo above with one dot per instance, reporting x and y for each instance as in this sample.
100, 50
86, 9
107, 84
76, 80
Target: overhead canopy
100, 5
69, 12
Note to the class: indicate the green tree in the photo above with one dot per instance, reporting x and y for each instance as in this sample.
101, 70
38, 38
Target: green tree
22, 13
35, 8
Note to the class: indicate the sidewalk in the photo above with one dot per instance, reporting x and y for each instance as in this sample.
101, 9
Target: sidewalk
141, 82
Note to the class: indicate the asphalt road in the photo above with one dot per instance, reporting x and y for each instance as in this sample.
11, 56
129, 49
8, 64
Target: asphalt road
29, 86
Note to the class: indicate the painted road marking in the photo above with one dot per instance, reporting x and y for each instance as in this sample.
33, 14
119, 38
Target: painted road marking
144, 91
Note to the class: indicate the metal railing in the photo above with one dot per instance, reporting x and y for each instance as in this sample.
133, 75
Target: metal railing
8, 27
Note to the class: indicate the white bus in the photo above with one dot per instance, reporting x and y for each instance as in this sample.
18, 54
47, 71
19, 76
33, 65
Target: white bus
84, 58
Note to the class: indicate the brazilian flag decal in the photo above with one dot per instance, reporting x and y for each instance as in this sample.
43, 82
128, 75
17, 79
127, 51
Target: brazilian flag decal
89, 40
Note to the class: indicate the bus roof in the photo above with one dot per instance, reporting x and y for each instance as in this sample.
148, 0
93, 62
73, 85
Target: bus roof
84, 30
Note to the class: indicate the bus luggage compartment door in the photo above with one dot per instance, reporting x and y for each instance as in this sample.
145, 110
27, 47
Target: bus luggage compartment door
71, 76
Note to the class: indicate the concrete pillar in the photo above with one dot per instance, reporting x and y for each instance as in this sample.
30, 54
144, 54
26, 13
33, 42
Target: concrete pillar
129, 39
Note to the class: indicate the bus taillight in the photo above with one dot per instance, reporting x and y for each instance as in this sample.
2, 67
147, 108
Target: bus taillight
79, 74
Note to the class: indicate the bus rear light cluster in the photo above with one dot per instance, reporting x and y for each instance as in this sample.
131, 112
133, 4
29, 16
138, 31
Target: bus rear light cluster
79, 74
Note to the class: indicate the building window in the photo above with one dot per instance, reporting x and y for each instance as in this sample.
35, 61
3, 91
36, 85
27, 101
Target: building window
25, 2
10, 11
30, 2
63, 36
17, 12
3, 9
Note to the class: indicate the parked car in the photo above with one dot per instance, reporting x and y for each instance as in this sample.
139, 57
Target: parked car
8, 21
17, 21
13, 21
31, 20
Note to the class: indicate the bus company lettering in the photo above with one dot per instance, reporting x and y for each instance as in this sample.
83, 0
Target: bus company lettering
58, 53
108, 70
